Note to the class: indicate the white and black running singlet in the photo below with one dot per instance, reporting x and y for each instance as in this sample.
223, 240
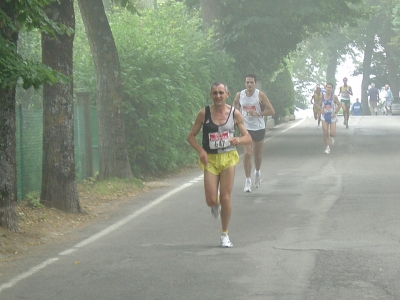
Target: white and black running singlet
216, 137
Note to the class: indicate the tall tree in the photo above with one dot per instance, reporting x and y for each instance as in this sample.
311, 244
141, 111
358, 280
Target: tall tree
261, 34
386, 36
112, 145
59, 188
210, 12
374, 37
8, 174
319, 57
13, 67
366, 41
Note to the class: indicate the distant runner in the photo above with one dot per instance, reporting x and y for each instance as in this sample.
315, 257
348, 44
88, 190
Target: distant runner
330, 106
345, 92
316, 102
251, 102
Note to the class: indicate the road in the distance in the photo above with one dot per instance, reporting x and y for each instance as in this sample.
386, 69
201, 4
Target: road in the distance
320, 227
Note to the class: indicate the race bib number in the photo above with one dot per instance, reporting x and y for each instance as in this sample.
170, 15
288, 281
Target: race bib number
219, 140
247, 109
345, 94
328, 108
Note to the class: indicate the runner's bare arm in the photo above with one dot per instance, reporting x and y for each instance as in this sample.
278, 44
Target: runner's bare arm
244, 137
236, 103
269, 111
191, 138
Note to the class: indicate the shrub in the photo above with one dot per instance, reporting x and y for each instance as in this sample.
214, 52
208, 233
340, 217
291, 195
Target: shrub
168, 65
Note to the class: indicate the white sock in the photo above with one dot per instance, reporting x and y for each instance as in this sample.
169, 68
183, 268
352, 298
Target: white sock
248, 180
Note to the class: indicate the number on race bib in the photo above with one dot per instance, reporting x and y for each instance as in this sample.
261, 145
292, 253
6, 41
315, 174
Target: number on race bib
219, 140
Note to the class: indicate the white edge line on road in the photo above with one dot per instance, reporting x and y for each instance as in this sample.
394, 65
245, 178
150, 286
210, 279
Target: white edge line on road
131, 216
27, 274
112, 227
96, 236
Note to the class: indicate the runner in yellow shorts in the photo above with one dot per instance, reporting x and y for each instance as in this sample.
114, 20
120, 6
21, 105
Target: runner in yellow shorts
217, 153
316, 102
221, 161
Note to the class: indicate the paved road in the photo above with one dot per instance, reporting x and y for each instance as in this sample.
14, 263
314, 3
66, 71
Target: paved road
320, 227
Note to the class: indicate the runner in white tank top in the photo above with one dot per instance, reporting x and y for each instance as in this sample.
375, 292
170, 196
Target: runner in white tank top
250, 102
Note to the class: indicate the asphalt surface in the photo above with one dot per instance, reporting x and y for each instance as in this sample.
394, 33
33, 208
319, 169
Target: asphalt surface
319, 227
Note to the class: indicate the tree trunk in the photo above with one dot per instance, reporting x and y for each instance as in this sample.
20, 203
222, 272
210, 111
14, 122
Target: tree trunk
368, 51
332, 66
59, 188
210, 13
393, 69
114, 160
8, 163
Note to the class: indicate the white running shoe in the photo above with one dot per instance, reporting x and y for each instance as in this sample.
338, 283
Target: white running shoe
247, 187
319, 127
332, 140
327, 150
257, 176
225, 241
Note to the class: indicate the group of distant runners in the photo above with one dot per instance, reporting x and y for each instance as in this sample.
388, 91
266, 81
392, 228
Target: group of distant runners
326, 105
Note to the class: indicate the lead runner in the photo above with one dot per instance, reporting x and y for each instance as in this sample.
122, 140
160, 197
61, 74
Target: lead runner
217, 154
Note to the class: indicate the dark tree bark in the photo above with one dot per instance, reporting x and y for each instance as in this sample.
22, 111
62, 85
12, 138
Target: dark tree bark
368, 51
333, 56
114, 160
393, 70
8, 164
210, 13
59, 188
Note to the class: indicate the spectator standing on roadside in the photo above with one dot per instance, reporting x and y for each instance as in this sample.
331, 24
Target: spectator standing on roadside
388, 99
251, 102
217, 154
356, 108
345, 92
373, 94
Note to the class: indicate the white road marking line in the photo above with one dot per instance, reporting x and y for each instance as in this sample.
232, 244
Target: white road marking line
112, 228
94, 237
32, 271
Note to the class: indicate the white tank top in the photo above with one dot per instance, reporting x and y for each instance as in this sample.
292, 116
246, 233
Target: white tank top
248, 104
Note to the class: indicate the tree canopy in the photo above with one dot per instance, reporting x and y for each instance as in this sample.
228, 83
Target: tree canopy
260, 34
13, 66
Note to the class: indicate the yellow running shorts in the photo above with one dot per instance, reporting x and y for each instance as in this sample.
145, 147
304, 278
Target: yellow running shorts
220, 161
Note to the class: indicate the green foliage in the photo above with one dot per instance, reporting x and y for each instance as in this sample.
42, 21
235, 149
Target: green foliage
33, 199
13, 66
281, 93
84, 74
260, 34
111, 187
29, 47
168, 65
